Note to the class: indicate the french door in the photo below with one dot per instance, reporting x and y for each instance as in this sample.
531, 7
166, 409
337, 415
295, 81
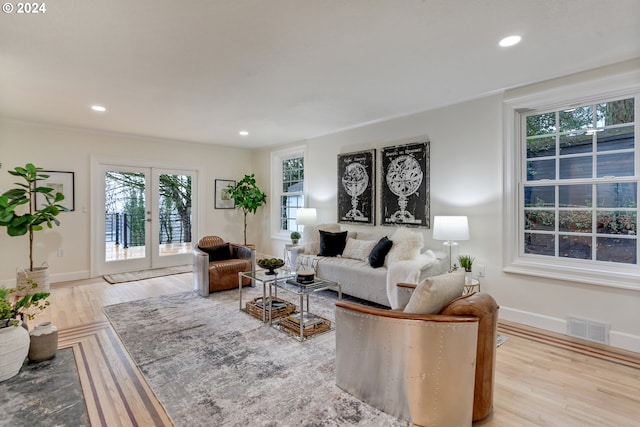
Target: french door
144, 217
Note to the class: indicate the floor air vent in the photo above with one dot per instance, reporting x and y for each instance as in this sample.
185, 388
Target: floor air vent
588, 330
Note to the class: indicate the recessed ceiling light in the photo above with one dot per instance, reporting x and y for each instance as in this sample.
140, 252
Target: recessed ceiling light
510, 41
98, 108
243, 133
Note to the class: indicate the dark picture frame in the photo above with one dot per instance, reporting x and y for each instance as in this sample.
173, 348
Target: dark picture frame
222, 199
61, 182
405, 191
357, 187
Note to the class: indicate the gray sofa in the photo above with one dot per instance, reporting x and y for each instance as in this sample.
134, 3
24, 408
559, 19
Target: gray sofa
357, 277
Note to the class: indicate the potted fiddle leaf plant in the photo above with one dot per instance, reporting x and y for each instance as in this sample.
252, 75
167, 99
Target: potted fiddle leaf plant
20, 215
247, 196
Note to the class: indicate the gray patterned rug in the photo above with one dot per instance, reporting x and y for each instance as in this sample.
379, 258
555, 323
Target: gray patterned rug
213, 365
44, 394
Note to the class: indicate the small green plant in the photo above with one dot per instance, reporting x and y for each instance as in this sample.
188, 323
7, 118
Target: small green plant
11, 307
295, 235
466, 262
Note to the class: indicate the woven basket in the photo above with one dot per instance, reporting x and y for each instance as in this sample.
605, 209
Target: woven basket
293, 328
256, 310
39, 275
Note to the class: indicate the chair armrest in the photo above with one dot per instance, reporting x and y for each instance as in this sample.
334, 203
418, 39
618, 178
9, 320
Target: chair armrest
406, 285
200, 272
394, 314
244, 252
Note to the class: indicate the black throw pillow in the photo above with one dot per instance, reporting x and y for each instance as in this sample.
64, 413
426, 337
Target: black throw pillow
379, 252
217, 253
332, 244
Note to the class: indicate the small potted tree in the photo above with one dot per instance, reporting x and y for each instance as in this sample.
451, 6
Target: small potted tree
295, 237
19, 221
248, 197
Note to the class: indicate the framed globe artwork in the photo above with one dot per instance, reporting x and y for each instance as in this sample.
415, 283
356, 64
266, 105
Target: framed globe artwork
405, 185
356, 187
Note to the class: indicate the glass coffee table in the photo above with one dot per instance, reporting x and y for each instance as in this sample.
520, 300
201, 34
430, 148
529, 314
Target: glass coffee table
302, 323
262, 307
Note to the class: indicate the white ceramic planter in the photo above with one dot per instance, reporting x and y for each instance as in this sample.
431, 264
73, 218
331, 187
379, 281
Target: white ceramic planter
14, 347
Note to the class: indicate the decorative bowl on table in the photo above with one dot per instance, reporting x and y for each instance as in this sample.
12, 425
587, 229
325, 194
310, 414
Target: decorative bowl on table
270, 264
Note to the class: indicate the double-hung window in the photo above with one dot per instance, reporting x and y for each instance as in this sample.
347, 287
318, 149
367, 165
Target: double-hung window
288, 190
579, 189
572, 205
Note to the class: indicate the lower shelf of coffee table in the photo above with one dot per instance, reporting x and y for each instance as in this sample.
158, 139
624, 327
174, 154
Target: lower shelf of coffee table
291, 326
280, 308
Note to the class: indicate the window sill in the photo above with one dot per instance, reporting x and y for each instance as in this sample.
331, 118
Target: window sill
629, 280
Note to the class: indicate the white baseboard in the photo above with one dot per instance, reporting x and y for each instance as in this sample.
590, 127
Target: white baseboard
617, 339
53, 278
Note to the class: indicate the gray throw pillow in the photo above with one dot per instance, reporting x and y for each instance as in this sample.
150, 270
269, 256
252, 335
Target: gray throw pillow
434, 293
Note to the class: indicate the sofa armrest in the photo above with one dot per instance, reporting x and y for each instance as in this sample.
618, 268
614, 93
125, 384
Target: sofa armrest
200, 272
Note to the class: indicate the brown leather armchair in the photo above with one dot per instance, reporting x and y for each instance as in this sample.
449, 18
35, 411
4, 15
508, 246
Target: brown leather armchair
216, 265
432, 370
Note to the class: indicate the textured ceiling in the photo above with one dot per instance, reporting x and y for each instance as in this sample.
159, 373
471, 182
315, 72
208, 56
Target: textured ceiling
288, 70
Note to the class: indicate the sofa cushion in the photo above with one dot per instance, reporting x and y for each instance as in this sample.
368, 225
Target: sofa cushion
358, 249
379, 252
311, 236
434, 293
332, 244
218, 252
407, 245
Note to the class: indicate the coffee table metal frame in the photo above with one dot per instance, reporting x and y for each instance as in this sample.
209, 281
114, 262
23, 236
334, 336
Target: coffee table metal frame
303, 291
262, 277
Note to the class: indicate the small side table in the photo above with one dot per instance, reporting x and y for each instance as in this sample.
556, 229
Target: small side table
472, 285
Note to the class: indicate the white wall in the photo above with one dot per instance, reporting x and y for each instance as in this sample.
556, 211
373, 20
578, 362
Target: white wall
64, 149
466, 179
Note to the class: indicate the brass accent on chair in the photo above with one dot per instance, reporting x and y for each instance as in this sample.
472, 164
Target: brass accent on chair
210, 276
418, 367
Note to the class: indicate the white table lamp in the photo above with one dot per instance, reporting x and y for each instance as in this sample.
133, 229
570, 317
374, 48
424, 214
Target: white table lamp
306, 216
450, 229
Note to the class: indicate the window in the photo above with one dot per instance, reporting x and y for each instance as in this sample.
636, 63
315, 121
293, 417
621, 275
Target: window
288, 186
580, 194
571, 183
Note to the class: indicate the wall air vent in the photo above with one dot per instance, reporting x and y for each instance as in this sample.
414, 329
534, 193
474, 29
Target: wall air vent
588, 330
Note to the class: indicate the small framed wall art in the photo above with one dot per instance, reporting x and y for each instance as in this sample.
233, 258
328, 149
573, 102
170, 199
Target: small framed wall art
61, 182
356, 187
405, 185
223, 201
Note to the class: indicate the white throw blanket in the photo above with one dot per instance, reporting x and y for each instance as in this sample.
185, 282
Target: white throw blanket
407, 272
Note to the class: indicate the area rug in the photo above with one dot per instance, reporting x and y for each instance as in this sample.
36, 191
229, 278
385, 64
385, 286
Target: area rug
44, 393
211, 364
132, 276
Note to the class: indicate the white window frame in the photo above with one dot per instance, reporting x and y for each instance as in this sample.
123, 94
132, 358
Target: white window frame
618, 275
277, 157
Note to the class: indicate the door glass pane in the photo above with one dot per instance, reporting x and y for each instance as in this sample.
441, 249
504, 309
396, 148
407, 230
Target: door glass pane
175, 214
125, 208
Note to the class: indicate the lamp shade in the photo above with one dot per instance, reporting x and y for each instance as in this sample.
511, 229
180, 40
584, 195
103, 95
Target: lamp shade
306, 216
450, 228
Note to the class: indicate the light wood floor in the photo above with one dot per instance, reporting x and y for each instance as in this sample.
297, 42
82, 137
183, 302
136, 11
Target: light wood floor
542, 379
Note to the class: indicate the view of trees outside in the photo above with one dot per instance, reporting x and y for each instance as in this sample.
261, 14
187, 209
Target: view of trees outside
580, 198
125, 208
292, 192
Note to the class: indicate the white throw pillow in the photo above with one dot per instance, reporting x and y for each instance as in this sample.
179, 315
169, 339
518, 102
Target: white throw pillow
434, 293
407, 245
311, 237
358, 249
